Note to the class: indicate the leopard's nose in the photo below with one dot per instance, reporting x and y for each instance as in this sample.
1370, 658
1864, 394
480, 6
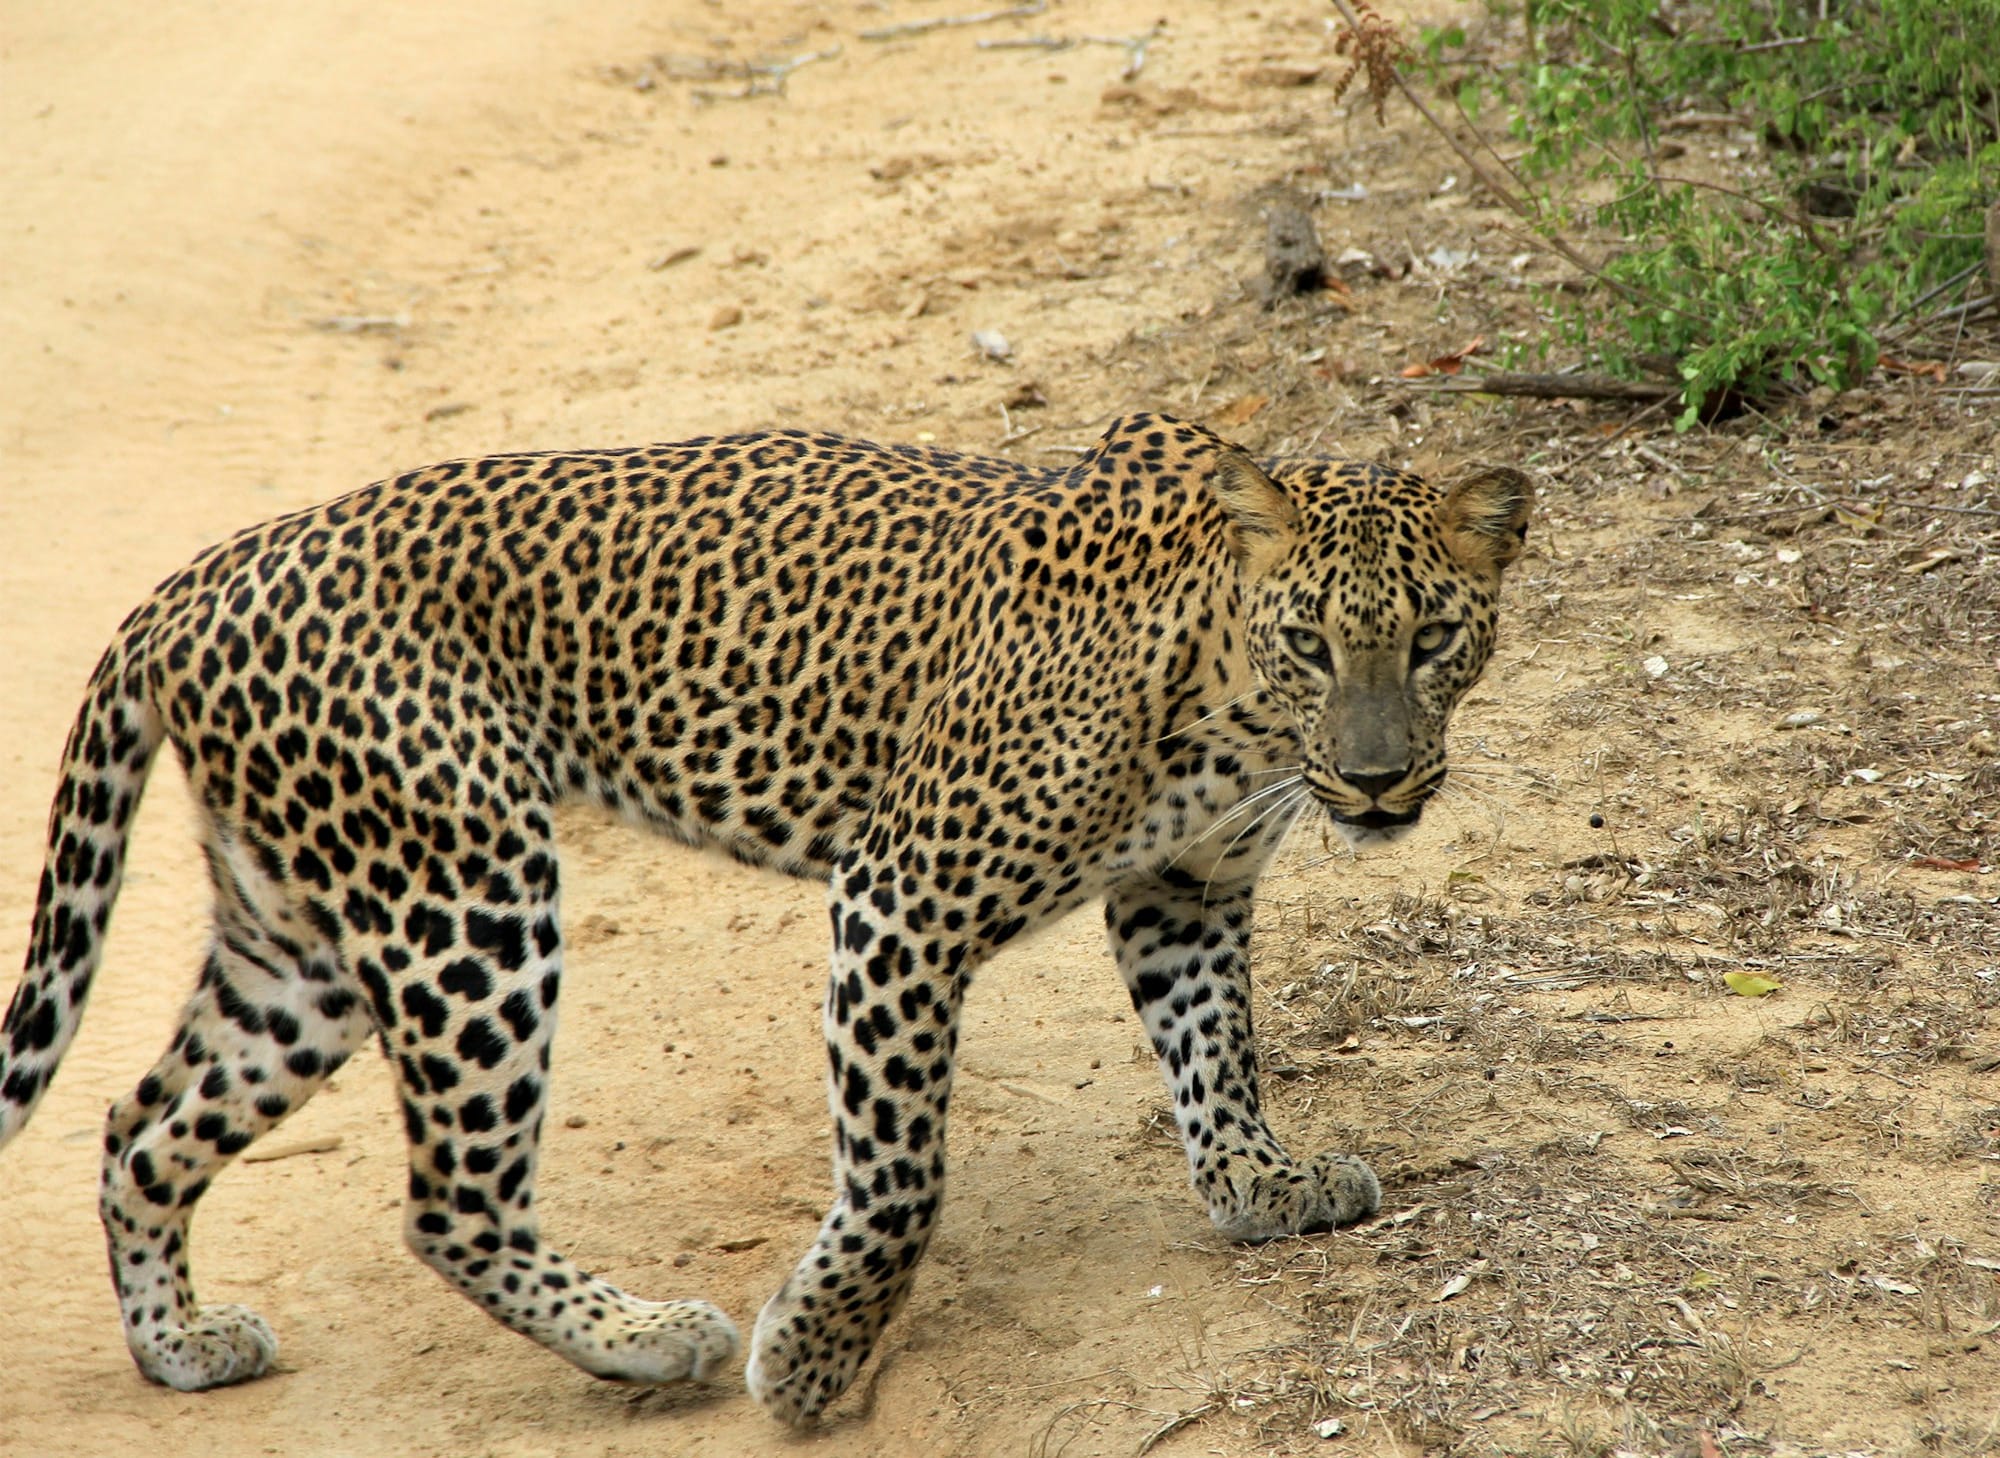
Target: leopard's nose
1375, 786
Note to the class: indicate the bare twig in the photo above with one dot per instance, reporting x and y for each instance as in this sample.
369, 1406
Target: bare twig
765, 78
1134, 46
1915, 326
1632, 423
1921, 505
1514, 203
324, 1144
944, 22
1583, 385
1173, 1425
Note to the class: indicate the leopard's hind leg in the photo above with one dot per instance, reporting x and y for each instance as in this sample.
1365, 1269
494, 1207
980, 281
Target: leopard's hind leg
272, 1017
466, 991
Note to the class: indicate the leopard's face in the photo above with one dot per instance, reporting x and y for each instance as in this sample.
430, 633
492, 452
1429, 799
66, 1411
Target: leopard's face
1368, 615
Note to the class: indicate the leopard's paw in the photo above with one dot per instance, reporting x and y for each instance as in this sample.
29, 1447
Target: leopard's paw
224, 1344
1327, 1190
800, 1361
664, 1341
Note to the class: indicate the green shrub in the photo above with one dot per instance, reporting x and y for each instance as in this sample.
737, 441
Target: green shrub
1879, 149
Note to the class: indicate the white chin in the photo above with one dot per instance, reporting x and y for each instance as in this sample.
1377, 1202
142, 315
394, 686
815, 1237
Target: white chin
1368, 837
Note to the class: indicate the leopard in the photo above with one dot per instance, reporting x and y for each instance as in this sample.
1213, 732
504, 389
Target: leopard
966, 694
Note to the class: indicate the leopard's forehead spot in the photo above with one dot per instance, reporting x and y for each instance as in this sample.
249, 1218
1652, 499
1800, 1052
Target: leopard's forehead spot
1337, 496
1373, 553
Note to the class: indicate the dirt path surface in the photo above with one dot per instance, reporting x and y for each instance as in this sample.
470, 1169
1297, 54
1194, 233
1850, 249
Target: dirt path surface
251, 260
255, 261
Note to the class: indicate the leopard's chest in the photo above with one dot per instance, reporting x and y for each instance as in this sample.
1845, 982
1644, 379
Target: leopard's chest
1222, 822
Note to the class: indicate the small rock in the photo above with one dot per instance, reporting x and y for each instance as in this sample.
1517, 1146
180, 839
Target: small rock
1329, 1427
992, 344
1655, 666
1285, 73
671, 256
1801, 719
1028, 395
910, 164
575, 1121
1979, 369
1294, 261
726, 317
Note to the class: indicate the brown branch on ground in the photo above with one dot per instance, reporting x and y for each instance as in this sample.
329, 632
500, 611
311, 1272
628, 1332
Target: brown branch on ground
1582, 386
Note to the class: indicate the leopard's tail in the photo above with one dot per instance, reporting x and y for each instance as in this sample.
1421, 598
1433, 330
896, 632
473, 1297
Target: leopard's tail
104, 767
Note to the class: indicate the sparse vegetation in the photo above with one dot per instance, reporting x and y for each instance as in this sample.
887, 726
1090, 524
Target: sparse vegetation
1763, 192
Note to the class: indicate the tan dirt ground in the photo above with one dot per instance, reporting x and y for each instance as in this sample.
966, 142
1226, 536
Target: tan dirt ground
250, 259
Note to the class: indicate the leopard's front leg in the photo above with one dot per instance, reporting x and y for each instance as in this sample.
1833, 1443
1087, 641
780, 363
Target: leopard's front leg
891, 1021
1184, 953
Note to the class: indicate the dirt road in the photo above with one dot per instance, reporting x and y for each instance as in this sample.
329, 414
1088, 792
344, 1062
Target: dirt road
1741, 720
255, 259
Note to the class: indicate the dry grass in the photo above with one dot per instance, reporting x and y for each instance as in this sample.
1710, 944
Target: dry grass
1629, 1211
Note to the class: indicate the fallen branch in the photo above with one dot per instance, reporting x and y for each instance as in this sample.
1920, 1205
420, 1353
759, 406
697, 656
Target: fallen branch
1855, 502
765, 79
943, 22
325, 1144
1134, 46
1580, 386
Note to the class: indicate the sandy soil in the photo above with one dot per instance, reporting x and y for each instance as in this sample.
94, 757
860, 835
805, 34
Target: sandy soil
252, 260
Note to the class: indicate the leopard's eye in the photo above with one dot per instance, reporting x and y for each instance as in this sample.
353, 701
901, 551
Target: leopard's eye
1431, 640
1308, 645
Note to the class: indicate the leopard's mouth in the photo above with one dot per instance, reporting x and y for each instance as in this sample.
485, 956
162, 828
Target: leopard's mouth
1339, 795
1381, 820
1379, 825
1375, 827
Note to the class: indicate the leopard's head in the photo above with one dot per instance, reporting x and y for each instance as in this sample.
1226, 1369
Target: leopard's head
1369, 598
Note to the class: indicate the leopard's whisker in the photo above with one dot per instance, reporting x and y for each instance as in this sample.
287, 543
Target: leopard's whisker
1313, 811
1215, 713
1285, 809
1242, 806
1489, 800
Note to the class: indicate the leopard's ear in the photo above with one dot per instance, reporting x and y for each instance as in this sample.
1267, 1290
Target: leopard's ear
1485, 515
1262, 518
